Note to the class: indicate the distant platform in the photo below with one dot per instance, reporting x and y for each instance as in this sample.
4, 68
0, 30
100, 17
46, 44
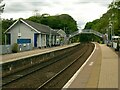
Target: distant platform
16, 56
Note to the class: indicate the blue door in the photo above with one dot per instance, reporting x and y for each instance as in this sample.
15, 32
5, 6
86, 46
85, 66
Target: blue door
35, 40
47, 40
8, 38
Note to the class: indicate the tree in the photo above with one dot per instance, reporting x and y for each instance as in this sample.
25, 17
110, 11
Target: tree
6, 23
63, 21
1, 11
102, 24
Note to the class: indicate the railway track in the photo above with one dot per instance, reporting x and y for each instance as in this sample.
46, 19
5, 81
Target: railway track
49, 83
20, 75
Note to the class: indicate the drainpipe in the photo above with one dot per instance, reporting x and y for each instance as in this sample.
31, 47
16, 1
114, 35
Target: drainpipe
19, 35
5, 39
50, 38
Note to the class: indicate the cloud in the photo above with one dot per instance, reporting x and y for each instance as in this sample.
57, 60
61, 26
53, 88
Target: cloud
81, 10
39, 4
27, 5
93, 1
15, 7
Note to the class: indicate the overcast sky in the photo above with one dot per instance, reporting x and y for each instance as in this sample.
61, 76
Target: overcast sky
81, 10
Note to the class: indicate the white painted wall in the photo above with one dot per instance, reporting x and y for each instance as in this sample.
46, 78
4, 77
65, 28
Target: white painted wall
26, 33
57, 40
39, 41
43, 36
53, 41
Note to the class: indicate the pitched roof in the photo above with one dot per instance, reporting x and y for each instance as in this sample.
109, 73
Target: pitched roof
39, 28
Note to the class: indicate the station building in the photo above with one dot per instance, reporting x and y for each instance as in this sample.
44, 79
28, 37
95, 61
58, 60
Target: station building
27, 33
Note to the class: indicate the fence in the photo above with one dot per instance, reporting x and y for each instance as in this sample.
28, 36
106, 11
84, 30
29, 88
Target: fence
6, 49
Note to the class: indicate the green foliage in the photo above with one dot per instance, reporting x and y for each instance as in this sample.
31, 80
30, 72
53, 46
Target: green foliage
89, 38
86, 38
89, 25
15, 48
102, 24
75, 39
64, 22
6, 23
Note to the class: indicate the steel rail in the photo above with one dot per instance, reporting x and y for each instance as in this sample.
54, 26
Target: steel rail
49, 80
33, 71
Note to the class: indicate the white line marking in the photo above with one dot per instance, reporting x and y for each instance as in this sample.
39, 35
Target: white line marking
91, 63
76, 74
18, 75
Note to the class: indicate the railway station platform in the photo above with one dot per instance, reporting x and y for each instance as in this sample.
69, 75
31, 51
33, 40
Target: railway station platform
99, 71
17, 56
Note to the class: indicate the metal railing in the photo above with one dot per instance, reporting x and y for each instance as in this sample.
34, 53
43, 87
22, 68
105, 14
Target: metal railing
86, 31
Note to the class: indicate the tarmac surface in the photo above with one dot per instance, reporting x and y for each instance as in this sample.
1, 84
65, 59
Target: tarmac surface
99, 71
16, 56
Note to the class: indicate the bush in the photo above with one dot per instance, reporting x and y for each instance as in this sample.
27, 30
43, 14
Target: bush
15, 48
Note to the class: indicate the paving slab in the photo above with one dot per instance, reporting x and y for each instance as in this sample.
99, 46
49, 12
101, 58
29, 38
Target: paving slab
83, 77
99, 71
109, 68
17, 56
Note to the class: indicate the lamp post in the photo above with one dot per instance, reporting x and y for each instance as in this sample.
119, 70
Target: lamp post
116, 7
1, 11
50, 38
111, 21
2, 8
110, 30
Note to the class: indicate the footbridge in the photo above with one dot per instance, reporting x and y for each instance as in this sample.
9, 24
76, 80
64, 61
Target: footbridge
85, 31
80, 31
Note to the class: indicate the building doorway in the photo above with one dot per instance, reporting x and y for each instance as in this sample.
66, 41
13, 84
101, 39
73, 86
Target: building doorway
35, 39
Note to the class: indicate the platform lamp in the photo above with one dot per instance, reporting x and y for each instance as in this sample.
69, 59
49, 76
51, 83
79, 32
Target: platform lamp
50, 37
1, 9
110, 30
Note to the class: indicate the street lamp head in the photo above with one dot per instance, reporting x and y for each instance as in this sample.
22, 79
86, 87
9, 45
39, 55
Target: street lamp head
2, 8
